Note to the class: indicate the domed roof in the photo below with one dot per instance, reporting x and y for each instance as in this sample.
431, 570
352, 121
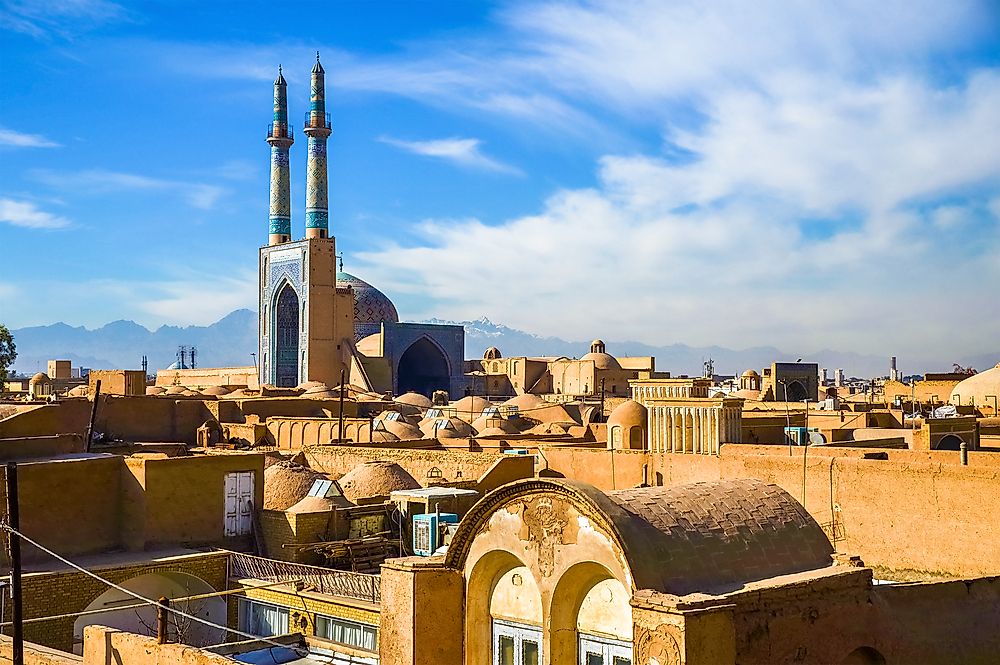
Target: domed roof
602, 360
446, 428
470, 404
175, 390
525, 402
750, 374
79, 391
155, 390
371, 306
492, 353
370, 345
404, 431
414, 399
286, 483
979, 388
376, 478
215, 390
41, 377
627, 414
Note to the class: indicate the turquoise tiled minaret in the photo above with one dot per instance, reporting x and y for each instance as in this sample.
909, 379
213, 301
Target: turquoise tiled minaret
279, 136
317, 128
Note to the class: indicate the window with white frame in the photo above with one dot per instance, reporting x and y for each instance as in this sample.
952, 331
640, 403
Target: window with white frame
262, 619
349, 633
596, 650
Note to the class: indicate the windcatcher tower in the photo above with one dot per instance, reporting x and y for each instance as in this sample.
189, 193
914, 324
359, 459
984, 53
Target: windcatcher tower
280, 138
317, 128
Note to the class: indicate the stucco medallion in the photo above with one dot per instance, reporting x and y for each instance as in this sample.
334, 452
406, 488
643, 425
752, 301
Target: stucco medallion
657, 647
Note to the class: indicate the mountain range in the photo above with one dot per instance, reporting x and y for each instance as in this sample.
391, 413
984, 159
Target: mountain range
231, 341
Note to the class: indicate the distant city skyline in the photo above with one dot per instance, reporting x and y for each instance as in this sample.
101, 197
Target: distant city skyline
791, 176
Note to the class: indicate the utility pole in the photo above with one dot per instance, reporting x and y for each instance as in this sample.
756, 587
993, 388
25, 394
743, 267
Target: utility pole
340, 425
602, 400
14, 521
93, 416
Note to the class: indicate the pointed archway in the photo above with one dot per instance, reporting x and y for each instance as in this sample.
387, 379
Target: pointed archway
286, 345
423, 368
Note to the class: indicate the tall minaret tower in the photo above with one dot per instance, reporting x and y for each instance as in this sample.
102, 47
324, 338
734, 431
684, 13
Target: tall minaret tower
317, 128
279, 136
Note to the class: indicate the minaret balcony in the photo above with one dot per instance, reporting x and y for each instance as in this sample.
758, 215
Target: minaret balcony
316, 121
280, 132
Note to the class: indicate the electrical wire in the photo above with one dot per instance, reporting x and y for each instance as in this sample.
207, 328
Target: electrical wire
299, 650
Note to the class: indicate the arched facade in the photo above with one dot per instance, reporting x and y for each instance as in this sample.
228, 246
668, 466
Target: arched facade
580, 555
142, 620
423, 368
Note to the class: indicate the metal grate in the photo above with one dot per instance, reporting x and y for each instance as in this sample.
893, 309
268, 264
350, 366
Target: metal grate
326, 580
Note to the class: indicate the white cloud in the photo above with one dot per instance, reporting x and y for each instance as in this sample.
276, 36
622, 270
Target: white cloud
28, 215
96, 181
194, 298
17, 139
798, 219
460, 151
199, 301
63, 18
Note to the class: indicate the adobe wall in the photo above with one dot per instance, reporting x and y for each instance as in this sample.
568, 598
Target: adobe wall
35, 654
61, 592
938, 623
454, 465
64, 512
40, 446
107, 646
182, 499
67, 416
917, 514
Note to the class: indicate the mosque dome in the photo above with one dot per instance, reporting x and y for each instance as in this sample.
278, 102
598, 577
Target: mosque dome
602, 360
750, 374
492, 353
979, 389
372, 308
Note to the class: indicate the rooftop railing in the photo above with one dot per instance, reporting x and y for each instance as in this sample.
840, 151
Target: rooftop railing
343, 583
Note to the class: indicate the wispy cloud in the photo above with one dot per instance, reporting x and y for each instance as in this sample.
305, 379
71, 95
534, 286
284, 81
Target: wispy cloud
13, 138
28, 215
461, 151
798, 194
62, 18
96, 181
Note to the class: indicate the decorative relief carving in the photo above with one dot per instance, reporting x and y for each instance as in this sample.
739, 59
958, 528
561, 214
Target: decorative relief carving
546, 523
658, 646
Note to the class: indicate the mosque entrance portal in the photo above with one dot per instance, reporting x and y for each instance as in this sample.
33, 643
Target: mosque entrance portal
423, 368
796, 392
286, 328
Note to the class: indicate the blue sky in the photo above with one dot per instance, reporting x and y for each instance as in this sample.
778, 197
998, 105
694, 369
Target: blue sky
806, 175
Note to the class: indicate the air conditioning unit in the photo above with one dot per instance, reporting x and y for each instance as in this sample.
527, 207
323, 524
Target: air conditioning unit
428, 531
803, 436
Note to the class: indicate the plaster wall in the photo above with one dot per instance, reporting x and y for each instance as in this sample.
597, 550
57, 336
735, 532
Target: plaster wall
64, 512
107, 646
182, 499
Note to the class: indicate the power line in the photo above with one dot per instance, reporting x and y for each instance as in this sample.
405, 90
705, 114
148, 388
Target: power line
150, 601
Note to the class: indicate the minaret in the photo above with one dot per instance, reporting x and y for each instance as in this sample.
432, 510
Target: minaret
317, 128
279, 136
